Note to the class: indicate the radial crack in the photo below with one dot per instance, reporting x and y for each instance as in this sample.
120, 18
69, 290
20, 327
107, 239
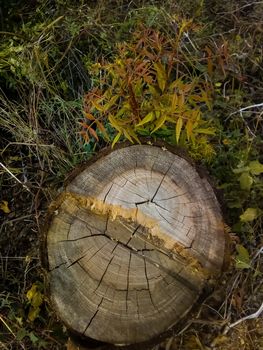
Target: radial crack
128, 282
172, 197
80, 238
92, 318
148, 285
160, 184
58, 266
106, 195
104, 273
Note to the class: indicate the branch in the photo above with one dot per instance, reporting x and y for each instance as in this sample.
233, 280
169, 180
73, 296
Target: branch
249, 317
246, 108
14, 177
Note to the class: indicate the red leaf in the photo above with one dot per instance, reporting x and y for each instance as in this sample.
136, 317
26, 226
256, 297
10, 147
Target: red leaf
93, 133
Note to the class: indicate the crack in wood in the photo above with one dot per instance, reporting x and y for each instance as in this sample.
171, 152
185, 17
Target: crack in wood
128, 281
116, 245
148, 285
104, 273
57, 266
82, 257
146, 254
148, 259
132, 235
106, 195
172, 197
92, 318
160, 184
80, 238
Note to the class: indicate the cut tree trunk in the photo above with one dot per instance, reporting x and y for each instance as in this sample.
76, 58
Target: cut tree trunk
131, 243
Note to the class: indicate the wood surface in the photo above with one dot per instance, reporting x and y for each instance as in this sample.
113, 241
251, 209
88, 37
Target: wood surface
133, 240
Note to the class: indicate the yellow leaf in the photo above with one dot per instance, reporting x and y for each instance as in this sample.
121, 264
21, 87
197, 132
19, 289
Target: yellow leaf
132, 133
187, 87
4, 207
178, 128
174, 101
181, 101
33, 313
146, 119
220, 339
138, 87
116, 139
189, 129
206, 99
127, 135
121, 111
207, 131
114, 123
255, 167
175, 84
161, 75
109, 104
246, 181
37, 299
153, 90
31, 292
34, 296
250, 214
159, 123
242, 259
98, 106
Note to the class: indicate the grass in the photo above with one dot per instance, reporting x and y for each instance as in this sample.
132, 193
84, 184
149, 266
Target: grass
46, 53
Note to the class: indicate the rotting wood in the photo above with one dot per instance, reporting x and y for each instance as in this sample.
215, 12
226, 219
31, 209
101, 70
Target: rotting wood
132, 242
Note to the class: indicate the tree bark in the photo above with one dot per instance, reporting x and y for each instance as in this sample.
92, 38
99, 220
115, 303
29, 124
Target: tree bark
131, 243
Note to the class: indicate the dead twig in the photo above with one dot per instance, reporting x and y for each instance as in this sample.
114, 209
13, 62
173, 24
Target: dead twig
247, 108
249, 317
14, 177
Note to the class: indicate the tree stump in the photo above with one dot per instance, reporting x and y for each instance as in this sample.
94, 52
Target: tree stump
131, 243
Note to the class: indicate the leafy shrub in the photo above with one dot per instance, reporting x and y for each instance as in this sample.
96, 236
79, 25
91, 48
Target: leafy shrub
149, 90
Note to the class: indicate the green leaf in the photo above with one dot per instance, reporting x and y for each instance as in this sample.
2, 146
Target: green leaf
241, 170
255, 167
149, 117
246, 181
20, 335
242, 265
33, 338
250, 214
242, 259
178, 128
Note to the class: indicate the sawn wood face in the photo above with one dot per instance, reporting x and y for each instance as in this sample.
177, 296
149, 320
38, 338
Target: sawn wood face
131, 244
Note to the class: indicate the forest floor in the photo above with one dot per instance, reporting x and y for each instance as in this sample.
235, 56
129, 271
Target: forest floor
51, 55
